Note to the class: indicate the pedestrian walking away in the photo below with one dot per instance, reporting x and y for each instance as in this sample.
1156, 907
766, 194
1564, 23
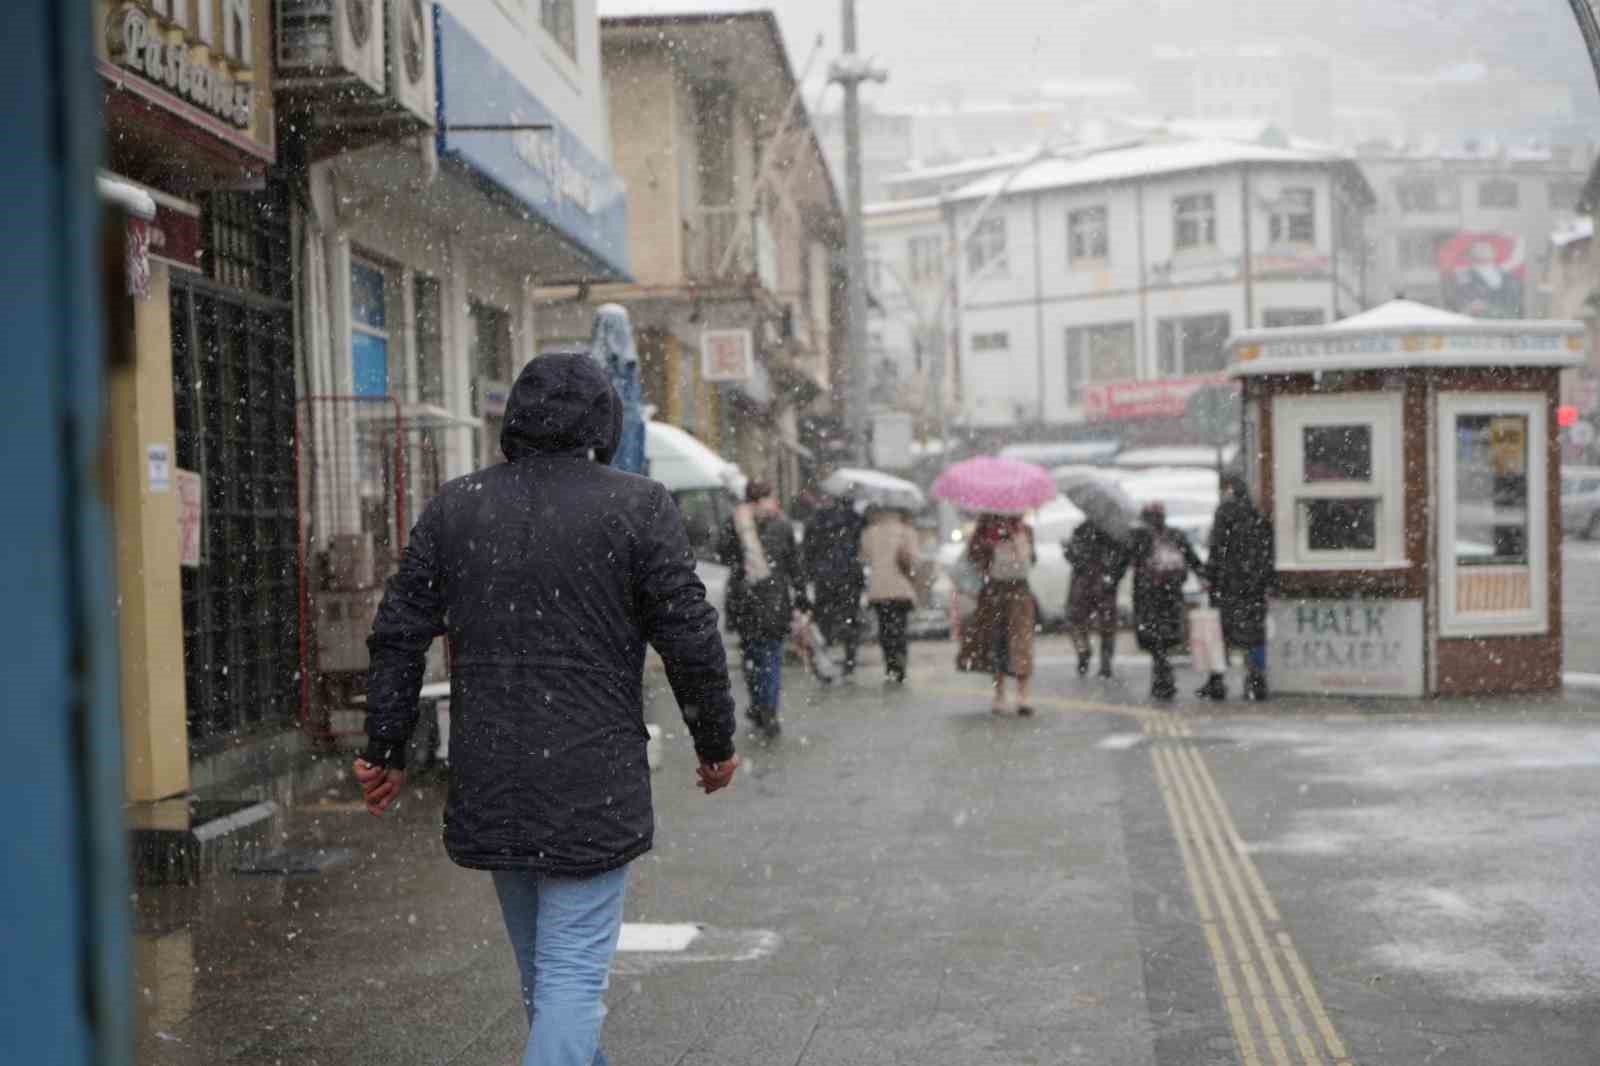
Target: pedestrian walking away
1241, 568
766, 586
889, 546
1098, 561
1000, 640
1162, 559
550, 573
833, 565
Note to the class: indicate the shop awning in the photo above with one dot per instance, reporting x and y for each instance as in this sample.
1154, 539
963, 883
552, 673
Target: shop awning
132, 199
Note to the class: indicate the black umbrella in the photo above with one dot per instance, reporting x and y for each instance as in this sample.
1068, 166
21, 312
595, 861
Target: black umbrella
1102, 502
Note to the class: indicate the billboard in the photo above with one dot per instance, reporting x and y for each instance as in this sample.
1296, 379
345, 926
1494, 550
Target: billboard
1483, 274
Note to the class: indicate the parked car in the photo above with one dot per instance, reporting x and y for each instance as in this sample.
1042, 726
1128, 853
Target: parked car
1580, 501
704, 485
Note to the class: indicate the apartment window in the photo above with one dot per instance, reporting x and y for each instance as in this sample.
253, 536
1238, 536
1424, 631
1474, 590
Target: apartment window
1294, 218
1195, 344
559, 21
986, 248
714, 143
927, 258
991, 342
1493, 522
369, 330
1284, 317
1498, 193
1105, 352
1420, 251
1194, 221
1088, 236
1336, 463
430, 340
1426, 194
1564, 195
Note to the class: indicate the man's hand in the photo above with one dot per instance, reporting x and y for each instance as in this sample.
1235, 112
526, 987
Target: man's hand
715, 776
380, 785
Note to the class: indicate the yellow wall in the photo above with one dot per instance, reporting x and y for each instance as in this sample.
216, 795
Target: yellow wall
150, 609
642, 99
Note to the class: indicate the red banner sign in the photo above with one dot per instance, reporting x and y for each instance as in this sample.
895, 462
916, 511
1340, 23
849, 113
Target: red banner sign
1160, 398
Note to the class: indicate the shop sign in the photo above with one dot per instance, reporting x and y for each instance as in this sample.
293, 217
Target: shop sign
1513, 343
165, 52
191, 501
1349, 647
1160, 398
727, 355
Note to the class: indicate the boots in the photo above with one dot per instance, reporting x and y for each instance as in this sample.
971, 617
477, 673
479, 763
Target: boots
1108, 647
1083, 663
1215, 688
1162, 685
1255, 686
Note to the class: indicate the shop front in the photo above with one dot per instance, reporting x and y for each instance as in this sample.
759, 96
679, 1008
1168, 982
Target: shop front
1409, 460
203, 481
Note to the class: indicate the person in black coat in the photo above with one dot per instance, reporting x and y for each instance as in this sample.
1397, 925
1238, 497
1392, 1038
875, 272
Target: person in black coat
766, 585
1241, 567
833, 563
1162, 559
549, 573
1098, 561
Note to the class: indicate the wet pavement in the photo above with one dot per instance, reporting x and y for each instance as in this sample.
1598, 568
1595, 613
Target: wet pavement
906, 878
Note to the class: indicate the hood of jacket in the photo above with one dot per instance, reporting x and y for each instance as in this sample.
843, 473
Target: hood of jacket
562, 405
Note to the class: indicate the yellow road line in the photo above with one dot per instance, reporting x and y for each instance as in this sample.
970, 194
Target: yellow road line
1230, 920
1186, 758
1232, 1002
1302, 976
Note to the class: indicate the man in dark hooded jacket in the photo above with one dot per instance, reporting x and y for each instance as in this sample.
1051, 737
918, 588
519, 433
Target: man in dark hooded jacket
550, 573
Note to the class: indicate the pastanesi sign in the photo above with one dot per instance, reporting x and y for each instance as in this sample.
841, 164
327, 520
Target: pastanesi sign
1352, 647
208, 68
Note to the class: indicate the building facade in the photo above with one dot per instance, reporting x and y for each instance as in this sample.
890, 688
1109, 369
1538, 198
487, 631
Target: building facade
906, 245
733, 219
1105, 284
1468, 230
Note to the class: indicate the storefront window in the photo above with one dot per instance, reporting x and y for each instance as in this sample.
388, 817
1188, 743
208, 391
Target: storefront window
369, 331
1493, 497
1341, 525
1337, 453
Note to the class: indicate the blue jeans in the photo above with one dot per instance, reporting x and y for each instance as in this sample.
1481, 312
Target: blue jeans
564, 931
763, 671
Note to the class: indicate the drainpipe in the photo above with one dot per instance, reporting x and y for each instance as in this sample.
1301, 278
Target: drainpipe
1249, 284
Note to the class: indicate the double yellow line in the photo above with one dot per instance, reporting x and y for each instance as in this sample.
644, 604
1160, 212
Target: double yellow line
1266, 988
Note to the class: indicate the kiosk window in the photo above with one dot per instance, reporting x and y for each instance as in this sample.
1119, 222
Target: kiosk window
1340, 489
1491, 490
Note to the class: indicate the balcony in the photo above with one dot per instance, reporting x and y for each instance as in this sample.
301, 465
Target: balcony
708, 233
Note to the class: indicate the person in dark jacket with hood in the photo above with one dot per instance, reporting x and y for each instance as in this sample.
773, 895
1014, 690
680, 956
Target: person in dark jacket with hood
766, 585
1241, 567
550, 573
1162, 559
833, 563
1098, 561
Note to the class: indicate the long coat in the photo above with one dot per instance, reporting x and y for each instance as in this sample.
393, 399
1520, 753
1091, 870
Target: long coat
1098, 561
550, 573
1241, 568
833, 563
1162, 559
761, 610
888, 542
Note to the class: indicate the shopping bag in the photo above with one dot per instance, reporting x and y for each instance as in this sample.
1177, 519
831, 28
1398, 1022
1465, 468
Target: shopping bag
813, 648
1206, 651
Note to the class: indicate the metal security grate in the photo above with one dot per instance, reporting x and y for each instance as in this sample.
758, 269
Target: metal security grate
234, 392
247, 240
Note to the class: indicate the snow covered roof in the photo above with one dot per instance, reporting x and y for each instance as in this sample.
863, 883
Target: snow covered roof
1140, 161
1404, 333
910, 205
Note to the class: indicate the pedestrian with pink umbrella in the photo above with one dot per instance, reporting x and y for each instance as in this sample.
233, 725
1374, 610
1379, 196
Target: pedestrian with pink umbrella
1001, 552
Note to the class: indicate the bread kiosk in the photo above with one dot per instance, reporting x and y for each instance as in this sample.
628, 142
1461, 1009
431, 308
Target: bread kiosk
1408, 459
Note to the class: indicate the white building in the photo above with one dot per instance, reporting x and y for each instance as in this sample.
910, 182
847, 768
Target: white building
906, 246
1433, 201
1134, 264
1289, 84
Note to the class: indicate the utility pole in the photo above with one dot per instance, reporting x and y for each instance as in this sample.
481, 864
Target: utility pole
850, 70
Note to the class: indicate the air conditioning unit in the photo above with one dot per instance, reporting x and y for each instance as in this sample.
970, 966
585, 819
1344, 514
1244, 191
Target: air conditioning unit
331, 44
410, 57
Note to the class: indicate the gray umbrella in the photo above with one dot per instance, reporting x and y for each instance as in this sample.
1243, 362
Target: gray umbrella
1102, 501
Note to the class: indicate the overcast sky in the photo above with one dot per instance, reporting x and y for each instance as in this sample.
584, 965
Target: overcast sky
989, 49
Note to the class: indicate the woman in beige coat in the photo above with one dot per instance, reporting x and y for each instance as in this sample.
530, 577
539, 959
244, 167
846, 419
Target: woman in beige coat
889, 550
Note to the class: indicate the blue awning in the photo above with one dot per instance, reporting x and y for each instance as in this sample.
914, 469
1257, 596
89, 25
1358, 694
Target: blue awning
550, 173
